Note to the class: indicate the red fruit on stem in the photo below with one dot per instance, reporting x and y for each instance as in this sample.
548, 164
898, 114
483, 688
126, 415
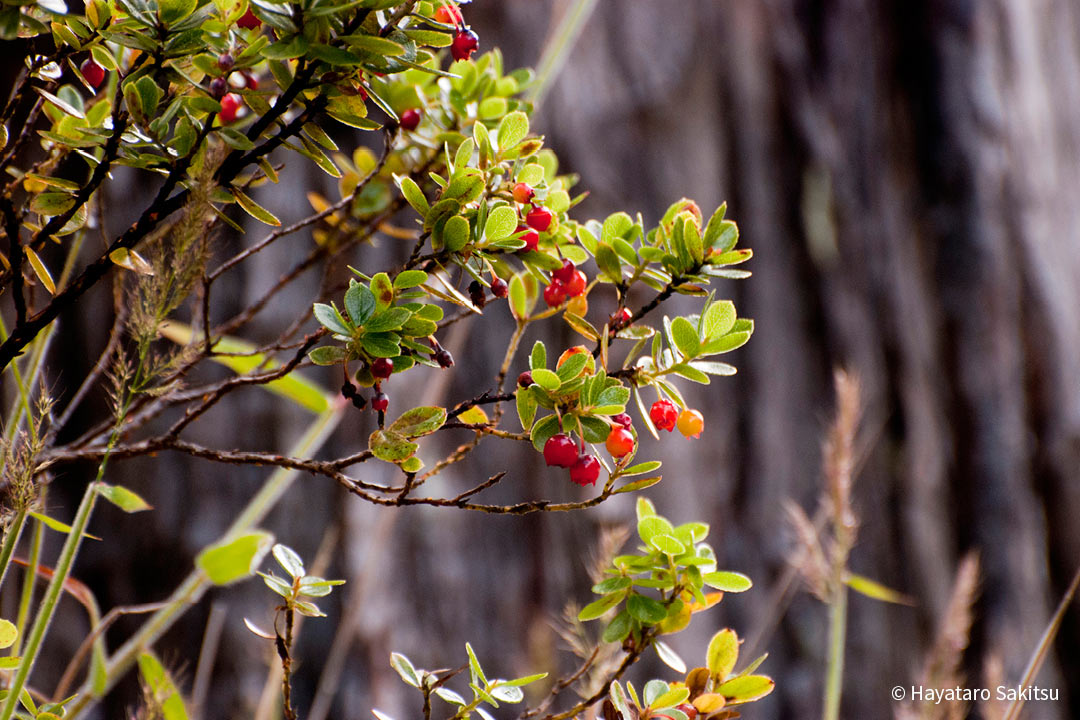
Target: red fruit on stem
691, 423
539, 218
250, 81
448, 14
382, 368
523, 193
664, 415
410, 119
566, 272
585, 471
622, 419
230, 108
464, 45
499, 288
554, 294
560, 451
525, 379
689, 710
444, 358
380, 401
622, 318
225, 62
248, 21
577, 284
620, 442
531, 238
94, 73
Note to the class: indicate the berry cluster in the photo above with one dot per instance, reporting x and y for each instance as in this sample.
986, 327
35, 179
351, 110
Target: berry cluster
381, 369
666, 416
561, 451
566, 282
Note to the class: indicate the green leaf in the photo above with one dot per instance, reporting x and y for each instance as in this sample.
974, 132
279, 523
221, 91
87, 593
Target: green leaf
162, 688
722, 654
546, 379
670, 657
538, 356
380, 345
639, 484
618, 628
874, 589
746, 688
410, 279
404, 667
51, 203
419, 421
571, 367
234, 559
8, 633
40, 270
666, 544
671, 698
713, 368
359, 302
173, 11
726, 343
652, 525
507, 693
456, 233
641, 468
719, 319
501, 223
390, 319
413, 195
645, 609
727, 581
599, 607
616, 225
526, 407
255, 210
289, 560
685, 337
611, 585
240, 357
512, 129
374, 44
383, 290
123, 498
542, 431
390, 446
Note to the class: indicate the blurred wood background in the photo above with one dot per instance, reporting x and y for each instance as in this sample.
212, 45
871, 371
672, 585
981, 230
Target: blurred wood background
907, 175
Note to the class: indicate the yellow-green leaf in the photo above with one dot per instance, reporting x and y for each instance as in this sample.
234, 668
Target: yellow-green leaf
40, 270
237, 355
722, 654
227, 561
8, 633
255, 210
157, 680
877, 591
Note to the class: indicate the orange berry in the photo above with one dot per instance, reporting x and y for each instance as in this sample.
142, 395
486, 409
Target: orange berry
691, 423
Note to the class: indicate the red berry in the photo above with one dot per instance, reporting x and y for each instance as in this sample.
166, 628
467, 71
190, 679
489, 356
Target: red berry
554, 294
250, 81
531, 238
230, 107
380, 401
622, 318
622, 419
225, 62
539, 218
94, 73
523, 193
476, 293
448, 14
691, 423
218, 87
620, 442
248, 21
382, 368
560, 451
689, 710
577, 284
585, 471
464, 44
499, 288
410, 119
664, 415
444, 358
566, 272
525, 379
